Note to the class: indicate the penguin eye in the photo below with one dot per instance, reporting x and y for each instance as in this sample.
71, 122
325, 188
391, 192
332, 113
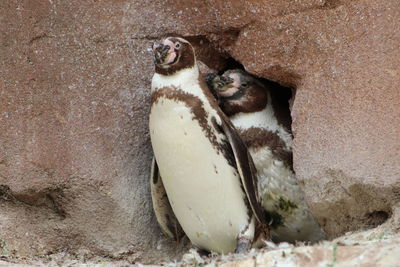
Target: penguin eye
244, 85
178, 46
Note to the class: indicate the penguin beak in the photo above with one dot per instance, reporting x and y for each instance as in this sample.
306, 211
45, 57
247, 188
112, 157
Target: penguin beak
225, 83
164, 53
228, 90
161, 52
229, 87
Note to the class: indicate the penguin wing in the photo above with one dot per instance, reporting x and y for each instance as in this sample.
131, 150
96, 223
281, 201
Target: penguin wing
246, 168
165, 216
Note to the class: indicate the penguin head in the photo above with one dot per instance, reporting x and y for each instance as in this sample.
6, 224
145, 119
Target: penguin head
240, 92
173, 54
216, 82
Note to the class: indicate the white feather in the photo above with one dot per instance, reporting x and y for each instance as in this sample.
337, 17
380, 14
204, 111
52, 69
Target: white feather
264, 119
187, 81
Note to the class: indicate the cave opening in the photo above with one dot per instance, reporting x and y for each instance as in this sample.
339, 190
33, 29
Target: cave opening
283, 96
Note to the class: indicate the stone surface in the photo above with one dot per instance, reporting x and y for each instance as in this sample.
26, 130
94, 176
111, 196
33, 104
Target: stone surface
379, 254
376, 247
74, 94
75, 151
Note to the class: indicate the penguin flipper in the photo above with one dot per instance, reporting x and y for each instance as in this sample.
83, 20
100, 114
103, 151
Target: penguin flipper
165, 216
246, 168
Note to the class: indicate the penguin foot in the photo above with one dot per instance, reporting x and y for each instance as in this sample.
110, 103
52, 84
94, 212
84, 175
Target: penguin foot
243, 245
262, 236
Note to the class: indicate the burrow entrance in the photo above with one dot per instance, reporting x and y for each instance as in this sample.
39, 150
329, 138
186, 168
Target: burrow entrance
211, 59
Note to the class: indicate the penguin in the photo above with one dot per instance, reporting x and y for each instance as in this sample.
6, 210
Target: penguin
200, 160
253, 108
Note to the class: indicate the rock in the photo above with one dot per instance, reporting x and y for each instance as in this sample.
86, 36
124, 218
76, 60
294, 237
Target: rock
378, 254
75, 151
345, 70
74, 90
367, 248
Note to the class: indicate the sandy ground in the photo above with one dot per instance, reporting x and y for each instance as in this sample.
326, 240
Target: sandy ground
379, 246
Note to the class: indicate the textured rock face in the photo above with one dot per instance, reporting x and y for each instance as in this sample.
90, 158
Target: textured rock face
334, 255
74, 92
75, 151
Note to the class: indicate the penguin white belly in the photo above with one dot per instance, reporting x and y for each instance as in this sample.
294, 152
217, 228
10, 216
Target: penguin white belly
203, 189
274, 176
281, 193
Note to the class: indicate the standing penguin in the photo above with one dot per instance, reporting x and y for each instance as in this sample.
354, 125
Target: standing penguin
253, 109
209, 177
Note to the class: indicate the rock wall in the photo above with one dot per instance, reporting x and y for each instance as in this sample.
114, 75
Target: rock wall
74, 92
75, 151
